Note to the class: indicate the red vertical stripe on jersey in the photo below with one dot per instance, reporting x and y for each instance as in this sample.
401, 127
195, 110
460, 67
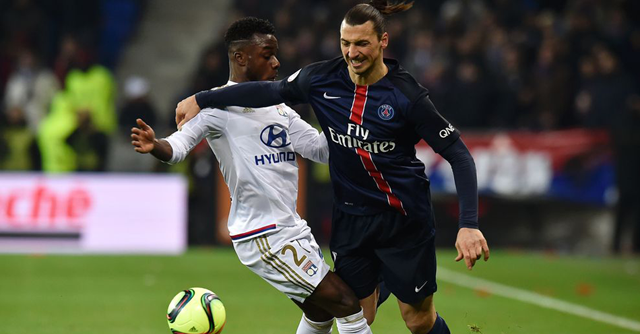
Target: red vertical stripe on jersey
382, 184
359, 101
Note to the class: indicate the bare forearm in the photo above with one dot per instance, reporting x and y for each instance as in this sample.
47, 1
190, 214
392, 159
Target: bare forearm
162, 150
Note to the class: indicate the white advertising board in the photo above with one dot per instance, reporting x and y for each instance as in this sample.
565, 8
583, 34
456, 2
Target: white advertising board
93, 213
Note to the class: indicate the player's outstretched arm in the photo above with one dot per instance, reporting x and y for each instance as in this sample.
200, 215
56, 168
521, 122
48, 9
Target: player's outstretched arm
255, 94
143, 139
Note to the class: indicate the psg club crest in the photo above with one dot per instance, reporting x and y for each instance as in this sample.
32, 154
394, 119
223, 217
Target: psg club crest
385, 112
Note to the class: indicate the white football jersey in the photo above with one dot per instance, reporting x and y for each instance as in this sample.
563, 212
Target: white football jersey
256, 150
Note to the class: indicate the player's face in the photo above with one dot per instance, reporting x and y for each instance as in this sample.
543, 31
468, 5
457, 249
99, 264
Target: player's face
361, 47
262, 63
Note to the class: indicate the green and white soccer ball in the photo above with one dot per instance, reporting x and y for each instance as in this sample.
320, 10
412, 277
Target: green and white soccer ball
196, 311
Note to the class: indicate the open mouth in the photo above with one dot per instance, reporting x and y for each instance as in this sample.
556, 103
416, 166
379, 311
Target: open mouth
356, 62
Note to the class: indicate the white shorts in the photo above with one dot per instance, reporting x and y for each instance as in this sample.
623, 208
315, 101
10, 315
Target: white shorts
289, 259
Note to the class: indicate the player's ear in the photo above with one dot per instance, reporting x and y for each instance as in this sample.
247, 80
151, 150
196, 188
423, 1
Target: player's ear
240, 58
384, 40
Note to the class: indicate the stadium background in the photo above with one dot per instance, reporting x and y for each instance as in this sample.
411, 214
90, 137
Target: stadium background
546, 94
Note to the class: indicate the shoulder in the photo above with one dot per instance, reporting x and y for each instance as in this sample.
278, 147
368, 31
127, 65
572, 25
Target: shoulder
211, 111
405, 82
323, 67
211, 114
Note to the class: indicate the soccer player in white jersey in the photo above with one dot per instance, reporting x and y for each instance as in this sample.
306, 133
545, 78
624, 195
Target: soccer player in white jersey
256, 149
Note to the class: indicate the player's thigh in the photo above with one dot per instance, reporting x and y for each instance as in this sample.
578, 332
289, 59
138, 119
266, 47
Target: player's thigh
419, 315
353, 256
293, 266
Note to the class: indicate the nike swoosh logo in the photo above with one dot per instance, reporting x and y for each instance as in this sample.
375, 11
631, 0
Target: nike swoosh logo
420, 288
329, 97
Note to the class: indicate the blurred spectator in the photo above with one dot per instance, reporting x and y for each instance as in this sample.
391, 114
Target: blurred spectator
626, 141
136, 105
213, 68
551, 81
70, 55
18, 147
93, 88
603, 98
89, 144
23, 24
468, 104
460, 15
57, 155
30, 89
90, 91
608, 98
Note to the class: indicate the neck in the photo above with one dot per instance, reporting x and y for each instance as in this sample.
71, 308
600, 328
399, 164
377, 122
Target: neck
236, 74
373, 75
237, 78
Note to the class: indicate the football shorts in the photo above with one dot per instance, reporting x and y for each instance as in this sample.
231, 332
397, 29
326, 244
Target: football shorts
289, 259
386, 246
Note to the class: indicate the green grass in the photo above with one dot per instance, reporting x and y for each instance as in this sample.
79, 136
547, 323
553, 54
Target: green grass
129, 294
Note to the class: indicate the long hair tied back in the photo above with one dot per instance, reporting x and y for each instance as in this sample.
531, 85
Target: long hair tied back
387, 8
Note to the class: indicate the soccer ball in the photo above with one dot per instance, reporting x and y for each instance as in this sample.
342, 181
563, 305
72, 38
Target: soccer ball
196, 311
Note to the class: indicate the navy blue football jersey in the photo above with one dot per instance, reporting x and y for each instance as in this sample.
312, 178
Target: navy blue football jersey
372, 132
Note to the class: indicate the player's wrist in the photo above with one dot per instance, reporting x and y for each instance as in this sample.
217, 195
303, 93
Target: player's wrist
468, 224
200, 98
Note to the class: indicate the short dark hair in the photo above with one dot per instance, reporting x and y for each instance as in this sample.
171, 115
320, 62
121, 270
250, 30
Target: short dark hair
375, 11
245, 28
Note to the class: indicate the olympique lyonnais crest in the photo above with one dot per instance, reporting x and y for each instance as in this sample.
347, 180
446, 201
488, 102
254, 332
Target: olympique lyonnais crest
385, 112
281, 111
310, 268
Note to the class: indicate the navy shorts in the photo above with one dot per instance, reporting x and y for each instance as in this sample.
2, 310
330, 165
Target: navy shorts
388, 246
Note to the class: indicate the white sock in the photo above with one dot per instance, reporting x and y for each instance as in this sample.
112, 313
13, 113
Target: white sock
353, 324
307, 326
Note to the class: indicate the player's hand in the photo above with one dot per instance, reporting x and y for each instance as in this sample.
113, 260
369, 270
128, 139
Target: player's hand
186, 110
143, 137
471, 244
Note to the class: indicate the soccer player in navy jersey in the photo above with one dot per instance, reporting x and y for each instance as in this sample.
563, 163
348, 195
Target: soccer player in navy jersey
374, 113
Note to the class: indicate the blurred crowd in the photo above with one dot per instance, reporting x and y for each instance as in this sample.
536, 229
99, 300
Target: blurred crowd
505, 64
57, 91
508, 64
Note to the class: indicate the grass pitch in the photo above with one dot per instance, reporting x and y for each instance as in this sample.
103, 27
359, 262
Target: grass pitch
62, 294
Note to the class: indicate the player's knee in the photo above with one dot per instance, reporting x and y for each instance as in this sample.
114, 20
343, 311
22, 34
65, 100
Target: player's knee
346, 300
335, 295
419, 325
349, 302
370, 315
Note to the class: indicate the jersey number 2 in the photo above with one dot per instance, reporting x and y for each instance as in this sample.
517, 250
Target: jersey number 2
295, 255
